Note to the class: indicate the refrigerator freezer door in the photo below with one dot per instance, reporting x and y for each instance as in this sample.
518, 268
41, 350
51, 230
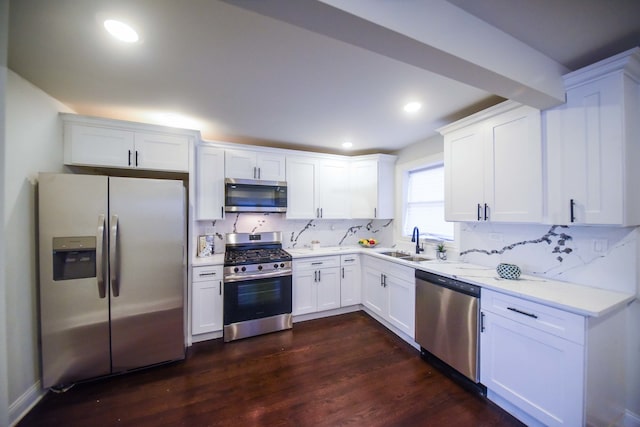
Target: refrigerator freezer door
146, 255
74, 318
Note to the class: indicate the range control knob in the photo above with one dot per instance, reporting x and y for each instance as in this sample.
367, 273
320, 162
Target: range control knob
235, 269
259, 267
282, 265
244, 269
275, 265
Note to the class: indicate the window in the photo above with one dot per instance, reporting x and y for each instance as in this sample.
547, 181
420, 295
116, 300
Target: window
425, 204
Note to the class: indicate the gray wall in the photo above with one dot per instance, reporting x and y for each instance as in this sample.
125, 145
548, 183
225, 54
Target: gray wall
4, 397
33, 144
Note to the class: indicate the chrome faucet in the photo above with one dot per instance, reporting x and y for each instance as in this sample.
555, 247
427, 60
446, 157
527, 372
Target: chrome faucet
415, 237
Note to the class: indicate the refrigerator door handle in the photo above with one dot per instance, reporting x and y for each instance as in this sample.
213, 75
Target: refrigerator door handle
102, 289
113, 257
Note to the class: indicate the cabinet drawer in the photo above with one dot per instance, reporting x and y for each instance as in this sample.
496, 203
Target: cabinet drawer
558, 322
353, 259
201, 274
314, 263
390, 268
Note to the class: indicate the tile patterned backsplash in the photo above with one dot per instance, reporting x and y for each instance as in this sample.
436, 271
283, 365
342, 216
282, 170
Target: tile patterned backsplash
300, 233
603, 257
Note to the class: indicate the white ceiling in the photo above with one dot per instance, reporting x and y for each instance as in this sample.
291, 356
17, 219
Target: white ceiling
314, 74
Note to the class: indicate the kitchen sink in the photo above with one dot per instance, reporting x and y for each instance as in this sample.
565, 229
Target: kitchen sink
406, 256
396, 254
414, 258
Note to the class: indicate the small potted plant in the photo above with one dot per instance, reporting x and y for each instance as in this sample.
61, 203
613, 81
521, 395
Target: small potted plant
441, 251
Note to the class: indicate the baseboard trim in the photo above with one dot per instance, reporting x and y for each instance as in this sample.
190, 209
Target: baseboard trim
23, 404
327, 313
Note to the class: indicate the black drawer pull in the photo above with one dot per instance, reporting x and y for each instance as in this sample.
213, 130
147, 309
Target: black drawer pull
522, 312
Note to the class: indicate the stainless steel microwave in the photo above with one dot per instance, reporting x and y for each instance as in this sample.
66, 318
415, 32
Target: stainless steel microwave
252, 195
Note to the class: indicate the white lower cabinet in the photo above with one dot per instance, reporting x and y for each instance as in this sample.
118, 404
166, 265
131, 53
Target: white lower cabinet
389, 291
350, 280
206, 307
551, 367
316, 284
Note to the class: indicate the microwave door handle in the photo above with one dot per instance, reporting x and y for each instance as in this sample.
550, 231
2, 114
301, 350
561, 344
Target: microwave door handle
102, 289
113, 257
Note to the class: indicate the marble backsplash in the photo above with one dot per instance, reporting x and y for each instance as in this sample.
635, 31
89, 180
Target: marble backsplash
299, 233
602, 257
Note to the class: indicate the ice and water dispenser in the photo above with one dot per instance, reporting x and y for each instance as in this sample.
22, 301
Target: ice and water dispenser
74, 257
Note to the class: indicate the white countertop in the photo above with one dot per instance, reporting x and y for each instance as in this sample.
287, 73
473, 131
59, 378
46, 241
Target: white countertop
215, 259
579, 299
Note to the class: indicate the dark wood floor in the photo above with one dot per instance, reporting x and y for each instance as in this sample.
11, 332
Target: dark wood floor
338, 371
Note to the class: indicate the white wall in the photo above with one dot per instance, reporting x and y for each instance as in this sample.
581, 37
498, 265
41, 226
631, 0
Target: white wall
4, 395
33, 144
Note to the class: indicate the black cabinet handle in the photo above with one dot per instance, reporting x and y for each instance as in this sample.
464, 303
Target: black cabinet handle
486, 212
375, 212
481, 322
319, 275
522, 312
479, 208
222, 211
137, 158
343, 272
572, 205
129, 158
220, 288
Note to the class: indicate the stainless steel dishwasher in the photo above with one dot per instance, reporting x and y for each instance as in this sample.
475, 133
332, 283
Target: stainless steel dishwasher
447, 320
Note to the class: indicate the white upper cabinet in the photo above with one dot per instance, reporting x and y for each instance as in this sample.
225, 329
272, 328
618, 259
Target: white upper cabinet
372, 184
593, 145
91, 141
209, 182
317, 187
247, 164
493, 165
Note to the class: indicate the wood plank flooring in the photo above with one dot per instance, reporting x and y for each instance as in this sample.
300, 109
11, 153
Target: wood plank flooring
344, 370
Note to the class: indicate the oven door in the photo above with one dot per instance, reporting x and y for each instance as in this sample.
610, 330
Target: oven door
256, 298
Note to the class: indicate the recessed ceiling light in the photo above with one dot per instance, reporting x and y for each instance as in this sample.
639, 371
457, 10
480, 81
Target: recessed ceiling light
347, 144
412, 107
121, 31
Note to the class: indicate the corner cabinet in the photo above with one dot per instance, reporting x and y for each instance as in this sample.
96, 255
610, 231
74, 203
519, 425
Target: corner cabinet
209, 182
90, 141
206, 302
316, 284
389, 292
248, 164
317, 187
592, 145
372, 186
493, 165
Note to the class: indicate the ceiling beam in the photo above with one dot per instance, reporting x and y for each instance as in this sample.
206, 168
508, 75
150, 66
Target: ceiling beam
433, 35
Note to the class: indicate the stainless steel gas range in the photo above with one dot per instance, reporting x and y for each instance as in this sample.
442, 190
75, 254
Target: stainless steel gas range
257, 285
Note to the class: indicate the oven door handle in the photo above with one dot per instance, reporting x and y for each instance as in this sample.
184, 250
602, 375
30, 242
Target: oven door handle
245, 277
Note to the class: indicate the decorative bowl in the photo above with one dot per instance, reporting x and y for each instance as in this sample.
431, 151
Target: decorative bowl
368, 243
508, 271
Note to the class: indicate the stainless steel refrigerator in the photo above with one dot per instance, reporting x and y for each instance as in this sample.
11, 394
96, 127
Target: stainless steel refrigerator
112, 274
